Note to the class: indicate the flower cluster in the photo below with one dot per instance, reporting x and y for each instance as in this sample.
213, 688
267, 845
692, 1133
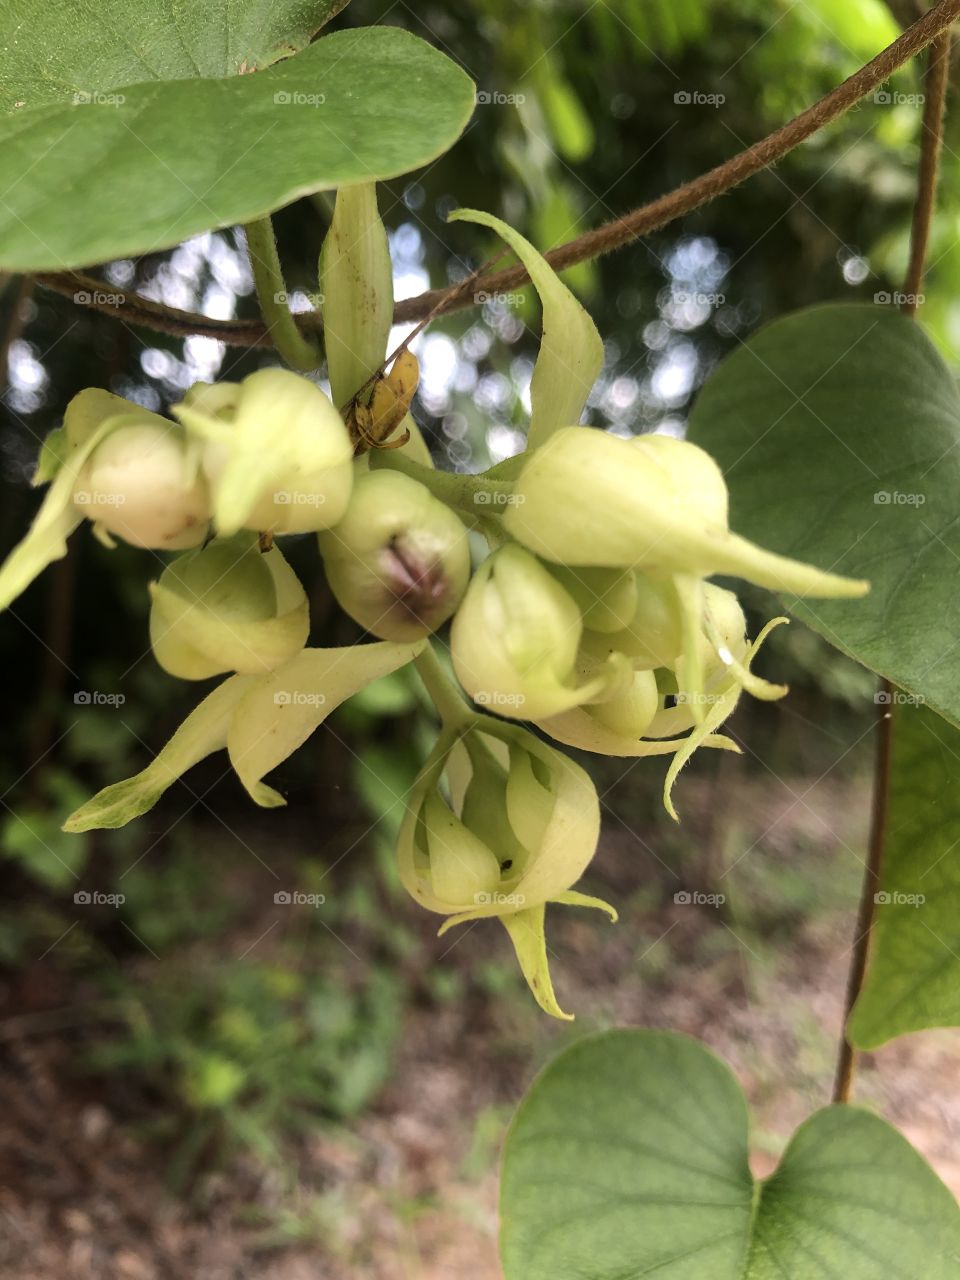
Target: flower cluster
590, 615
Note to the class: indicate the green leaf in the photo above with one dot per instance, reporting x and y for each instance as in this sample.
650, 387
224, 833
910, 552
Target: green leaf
58, 52
628, 1159
913, 979
837, 431
141, 166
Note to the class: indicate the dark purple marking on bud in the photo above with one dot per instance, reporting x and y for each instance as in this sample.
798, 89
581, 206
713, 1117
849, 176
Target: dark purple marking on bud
416, 583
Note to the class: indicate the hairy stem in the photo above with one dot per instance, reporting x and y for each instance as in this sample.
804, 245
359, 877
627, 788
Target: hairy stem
935, 91
612, 235
934, 107
847, 1056
299, 351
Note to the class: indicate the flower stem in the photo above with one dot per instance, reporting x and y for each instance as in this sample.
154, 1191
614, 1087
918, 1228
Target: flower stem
474, 496
454, 710
299, 352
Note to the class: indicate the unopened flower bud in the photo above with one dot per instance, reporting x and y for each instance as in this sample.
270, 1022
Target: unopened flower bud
462, 868
631, 713
607, 598
523, 835
589, 498
227, 607
143, 483
515, 637
277, 453
399, 560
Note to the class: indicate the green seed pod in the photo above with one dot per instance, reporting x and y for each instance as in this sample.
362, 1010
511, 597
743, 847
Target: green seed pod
399, 560
227, 607
276, 452
143, 484
588, 498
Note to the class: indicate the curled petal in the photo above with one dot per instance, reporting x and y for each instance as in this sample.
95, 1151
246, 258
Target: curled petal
571, 350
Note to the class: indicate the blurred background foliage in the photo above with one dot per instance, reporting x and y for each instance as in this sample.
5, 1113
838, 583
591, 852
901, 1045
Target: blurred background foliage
198, 996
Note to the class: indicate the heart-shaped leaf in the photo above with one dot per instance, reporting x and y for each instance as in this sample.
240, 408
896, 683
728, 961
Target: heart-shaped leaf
628, 1158
838, 430
59, 50
136, 168
913, 980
